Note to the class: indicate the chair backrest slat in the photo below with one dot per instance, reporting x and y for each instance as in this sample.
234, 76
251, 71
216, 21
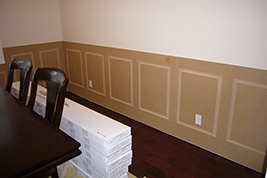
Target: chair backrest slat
57, 83
25, 67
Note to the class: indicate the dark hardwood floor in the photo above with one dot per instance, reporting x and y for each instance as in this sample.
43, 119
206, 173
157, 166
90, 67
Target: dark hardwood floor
158, 155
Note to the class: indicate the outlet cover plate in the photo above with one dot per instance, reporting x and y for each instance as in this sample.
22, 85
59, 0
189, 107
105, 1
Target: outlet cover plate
198, 119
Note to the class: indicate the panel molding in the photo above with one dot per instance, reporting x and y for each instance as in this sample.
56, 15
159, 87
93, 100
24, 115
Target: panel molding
17, 55
168, 83
68, 66
218, 99
49, 50
231, 114
131, 80
103, 73
4, 77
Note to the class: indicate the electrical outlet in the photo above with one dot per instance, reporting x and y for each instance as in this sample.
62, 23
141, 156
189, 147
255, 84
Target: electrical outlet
198, 119
90, 84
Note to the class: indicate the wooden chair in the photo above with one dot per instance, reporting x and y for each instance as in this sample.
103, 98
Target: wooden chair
25, 67
56, 90
57, 83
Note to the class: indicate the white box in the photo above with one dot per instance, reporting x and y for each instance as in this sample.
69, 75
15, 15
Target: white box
109, 158
101, 166
99, 128
122, 168
90, 152
107, 152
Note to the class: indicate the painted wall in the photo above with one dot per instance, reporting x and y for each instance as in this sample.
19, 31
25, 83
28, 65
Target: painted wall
29, 22
230, 31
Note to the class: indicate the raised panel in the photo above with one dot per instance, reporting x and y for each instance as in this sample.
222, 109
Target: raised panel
247, 120
50, 58
154, 89
28, 55
95, 72
3, 79
121, 80
75, 70
199, 93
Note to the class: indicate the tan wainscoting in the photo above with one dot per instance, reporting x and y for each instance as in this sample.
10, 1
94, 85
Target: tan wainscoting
154, 89
121, 80
3, 79
168, 92
75, 67
50, 58
41, 55
95, 71
199, 93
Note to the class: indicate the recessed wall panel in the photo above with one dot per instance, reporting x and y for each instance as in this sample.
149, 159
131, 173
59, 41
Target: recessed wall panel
3, 79
95, 72
199, 94
248, 113
28, 55
121, 80
75, 70
50, 58
154, 89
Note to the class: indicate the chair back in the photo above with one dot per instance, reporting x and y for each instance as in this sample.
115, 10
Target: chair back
57, 83
25, 66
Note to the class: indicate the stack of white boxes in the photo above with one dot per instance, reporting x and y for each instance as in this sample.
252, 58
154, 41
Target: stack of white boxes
105, 143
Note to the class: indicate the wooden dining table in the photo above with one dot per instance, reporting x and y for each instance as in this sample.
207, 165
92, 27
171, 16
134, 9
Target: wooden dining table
29, 144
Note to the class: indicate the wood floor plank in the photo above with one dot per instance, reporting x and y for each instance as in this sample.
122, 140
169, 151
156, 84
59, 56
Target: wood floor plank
167, 168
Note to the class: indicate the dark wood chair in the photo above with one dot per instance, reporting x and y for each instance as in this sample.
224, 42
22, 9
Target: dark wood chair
57, 83
25, 67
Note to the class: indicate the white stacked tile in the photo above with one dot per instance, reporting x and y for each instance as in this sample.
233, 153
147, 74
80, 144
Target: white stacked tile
108, 169
94, 162
119, 170
109, 152
82, 173
115, 151
105, 143
90, 151
92, 125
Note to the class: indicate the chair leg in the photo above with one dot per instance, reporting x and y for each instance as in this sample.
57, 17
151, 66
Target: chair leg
55, 174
